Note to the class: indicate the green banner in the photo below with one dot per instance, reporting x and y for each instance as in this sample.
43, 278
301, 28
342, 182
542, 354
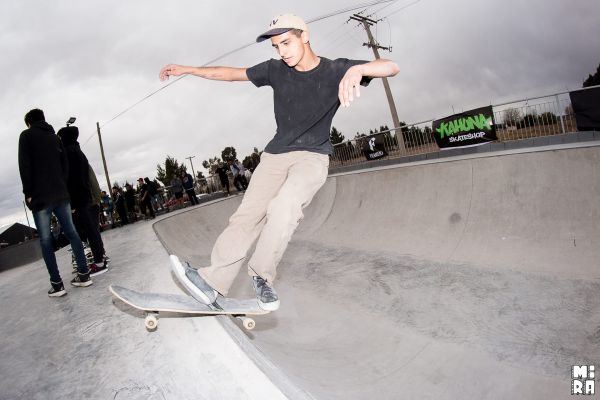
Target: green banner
469, 128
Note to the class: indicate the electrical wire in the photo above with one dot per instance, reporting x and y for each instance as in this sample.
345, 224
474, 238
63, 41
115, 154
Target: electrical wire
402, 8
386, 6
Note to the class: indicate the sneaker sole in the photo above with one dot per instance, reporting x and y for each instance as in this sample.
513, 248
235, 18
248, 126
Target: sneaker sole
82, 284
179, 271
58, 294
99, 272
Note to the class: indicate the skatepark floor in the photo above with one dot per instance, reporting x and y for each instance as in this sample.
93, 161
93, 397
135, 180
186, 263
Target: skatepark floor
85, 346
471, 278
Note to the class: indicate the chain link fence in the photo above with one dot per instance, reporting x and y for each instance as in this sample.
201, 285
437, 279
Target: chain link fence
521, 119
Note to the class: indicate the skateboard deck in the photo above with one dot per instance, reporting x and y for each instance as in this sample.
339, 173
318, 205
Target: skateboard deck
155, 303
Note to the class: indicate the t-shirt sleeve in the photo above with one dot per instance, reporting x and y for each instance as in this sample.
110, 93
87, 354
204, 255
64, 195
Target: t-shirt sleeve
344, 65
259, 74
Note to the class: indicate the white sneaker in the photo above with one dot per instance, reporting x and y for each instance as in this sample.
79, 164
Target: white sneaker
193, 282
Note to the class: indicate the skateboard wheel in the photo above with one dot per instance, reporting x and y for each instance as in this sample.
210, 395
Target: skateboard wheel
248, 323
151, 322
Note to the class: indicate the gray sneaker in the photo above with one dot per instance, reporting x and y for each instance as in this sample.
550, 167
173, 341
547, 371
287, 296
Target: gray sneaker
265, 294
193, 282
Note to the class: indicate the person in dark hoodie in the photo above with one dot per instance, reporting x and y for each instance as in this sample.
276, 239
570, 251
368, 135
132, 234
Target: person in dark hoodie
43, 167
80, 190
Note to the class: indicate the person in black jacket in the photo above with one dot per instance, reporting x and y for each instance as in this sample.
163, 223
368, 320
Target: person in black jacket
44, 169
145, 202
119, 202
80, 190
188, 184
222, 172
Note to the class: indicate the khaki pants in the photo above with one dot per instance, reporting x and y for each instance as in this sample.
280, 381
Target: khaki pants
281, 186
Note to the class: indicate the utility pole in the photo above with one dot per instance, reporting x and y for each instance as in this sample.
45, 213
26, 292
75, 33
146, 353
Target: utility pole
103, 158
192, 164
367, 23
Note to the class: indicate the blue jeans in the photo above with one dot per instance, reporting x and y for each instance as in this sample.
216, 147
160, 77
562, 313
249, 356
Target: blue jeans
42, 222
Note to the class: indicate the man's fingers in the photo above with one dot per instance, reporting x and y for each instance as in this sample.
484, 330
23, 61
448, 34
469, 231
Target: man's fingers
357, 87
165, 72
348, 90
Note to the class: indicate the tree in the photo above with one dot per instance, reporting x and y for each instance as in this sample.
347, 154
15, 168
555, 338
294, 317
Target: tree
511, 116
171, 169
593, 80
228, 153
547, 118
211, 164
336, 136
530, 119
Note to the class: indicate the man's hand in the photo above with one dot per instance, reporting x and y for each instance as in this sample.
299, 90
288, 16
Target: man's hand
349, 83
171, 69
380, 68
28, 200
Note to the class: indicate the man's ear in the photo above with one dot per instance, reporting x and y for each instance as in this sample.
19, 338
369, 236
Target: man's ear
305, 36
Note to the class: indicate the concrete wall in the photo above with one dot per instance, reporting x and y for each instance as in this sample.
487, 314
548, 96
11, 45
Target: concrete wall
401, 282
21, 254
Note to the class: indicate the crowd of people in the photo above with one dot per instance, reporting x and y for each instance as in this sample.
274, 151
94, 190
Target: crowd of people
129, 204
69, 207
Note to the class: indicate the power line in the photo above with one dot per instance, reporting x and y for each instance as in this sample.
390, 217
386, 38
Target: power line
386, 6
401, 8
344, 35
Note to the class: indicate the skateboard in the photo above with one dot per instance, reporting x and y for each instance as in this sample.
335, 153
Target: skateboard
154, 304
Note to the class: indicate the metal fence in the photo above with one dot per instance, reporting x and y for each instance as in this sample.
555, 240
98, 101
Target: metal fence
521, 119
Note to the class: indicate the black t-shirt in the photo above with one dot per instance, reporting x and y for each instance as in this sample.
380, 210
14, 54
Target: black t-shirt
304, 102
143, 190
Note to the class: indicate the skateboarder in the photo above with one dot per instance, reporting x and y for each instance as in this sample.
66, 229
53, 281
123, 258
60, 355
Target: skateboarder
307, 90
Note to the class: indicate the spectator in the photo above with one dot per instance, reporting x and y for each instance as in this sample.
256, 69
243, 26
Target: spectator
145, 202
177, 190
78, 183
119, 202
43, 167
188, 185
130, 201
222, 172
155, 196
239, 179
107, 208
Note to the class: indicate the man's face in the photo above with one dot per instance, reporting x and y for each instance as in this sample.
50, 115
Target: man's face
290, 47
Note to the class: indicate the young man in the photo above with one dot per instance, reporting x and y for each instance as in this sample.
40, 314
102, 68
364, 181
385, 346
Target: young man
155, 196
307, 91
177, 190
145, 202
239, 179
222, 172
188, 184
80, 192
44, 170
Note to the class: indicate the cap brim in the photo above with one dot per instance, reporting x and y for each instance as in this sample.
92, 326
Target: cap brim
272, 32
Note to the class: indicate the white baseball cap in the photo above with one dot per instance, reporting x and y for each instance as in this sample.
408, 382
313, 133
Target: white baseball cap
281, 24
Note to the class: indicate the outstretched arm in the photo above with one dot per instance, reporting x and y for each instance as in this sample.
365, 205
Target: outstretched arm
214, 73
351, 81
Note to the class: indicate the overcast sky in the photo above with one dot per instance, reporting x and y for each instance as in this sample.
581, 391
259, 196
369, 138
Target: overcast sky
93, 59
